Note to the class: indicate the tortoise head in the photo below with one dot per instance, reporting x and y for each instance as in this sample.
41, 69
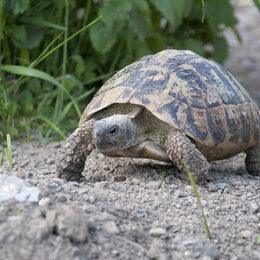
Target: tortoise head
114, 133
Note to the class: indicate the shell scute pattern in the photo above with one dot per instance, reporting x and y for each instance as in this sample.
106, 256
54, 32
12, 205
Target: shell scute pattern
187, 92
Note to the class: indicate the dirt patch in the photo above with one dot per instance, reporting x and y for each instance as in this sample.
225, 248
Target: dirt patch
137, 209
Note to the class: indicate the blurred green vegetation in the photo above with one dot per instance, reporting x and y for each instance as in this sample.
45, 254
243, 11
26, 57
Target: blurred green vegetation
59, 76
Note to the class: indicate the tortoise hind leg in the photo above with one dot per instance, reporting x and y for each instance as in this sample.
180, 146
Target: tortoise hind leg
73, 153
253, 160
185, 154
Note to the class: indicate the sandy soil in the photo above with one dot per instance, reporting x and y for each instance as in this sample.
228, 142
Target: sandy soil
134, 209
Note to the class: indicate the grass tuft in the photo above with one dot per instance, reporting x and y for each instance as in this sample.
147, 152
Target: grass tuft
9, 150
203, 218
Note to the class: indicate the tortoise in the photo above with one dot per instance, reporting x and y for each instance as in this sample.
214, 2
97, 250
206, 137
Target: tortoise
171, 106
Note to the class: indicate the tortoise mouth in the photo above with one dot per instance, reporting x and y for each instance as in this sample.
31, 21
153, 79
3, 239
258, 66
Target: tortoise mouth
105, 146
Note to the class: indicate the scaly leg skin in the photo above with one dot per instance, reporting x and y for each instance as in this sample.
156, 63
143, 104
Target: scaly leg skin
74, 152
184, 154
253, 160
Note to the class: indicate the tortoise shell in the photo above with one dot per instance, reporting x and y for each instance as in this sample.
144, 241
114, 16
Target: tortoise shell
187, 92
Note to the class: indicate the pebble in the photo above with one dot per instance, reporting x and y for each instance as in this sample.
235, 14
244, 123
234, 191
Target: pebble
257, 253
246, 233
119, 178
222, 185
155, 251
205, 257
69, 223
211, 251
91, 199
142, 213
153, 185
157, 232
102, 184
29, 174
17, 188
254, 206
180, 194
62, 198
189, 243
236, 193
111, 227
44, 202
50, 161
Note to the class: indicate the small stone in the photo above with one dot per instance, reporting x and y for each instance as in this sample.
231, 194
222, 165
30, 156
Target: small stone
154, 185
222, 185
68, 223
237, 183
205, 257
142, 213
29, 174
50, 161
62, 198
211, 251
115, 252
180, 194
101, 204
102, 184
75, 183
189, 243
110, 227
119, 178
236, 193
257, 254
44, 202
254, 206
91, 199
246, 233
156, 251
157, 232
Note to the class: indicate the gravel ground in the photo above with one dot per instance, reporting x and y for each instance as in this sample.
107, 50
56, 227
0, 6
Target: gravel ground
132, 208
128, 209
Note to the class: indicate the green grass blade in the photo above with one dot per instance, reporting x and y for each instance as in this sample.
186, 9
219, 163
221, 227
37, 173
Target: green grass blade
9, 150
3, 156
23, 79
1, 19
65, 110
59, 100
26, 71
37, 60
42, 23
204, 221
258, 240
69, 38
42, 57
53, 126
203, 10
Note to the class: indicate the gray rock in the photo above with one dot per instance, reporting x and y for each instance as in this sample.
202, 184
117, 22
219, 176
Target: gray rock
189, 243
211, 251
253, 205
156, 232
44, 202
246, 233
68, 222
17, 188
110, 227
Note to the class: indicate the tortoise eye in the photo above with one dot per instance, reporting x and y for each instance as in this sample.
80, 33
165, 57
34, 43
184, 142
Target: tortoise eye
114, 130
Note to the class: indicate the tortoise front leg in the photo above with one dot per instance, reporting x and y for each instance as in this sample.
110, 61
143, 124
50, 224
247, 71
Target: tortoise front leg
185, 155
74, 152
